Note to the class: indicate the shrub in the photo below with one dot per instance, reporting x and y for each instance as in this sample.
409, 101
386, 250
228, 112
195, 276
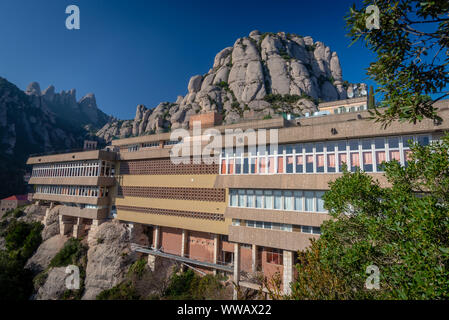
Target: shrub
71, 253
122, 291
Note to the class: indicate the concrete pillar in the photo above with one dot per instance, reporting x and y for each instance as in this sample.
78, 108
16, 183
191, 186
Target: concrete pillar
156, 237
152, 261
287, 277
65, 225
216, 249
236, 269
78, 228
184, 241
93, 228
254, 261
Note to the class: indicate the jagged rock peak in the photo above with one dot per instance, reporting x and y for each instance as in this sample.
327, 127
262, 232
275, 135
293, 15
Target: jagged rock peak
33, 89
259, 75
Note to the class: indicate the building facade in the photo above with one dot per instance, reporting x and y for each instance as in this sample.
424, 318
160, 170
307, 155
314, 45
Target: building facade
12, 203
245, 213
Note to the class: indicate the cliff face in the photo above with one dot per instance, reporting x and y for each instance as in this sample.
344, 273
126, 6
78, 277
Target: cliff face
259, 75
35, 121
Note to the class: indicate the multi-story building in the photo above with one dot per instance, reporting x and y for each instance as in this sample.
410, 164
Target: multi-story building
250, 210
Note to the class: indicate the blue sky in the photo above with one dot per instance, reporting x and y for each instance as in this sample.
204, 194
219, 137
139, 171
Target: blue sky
144, 52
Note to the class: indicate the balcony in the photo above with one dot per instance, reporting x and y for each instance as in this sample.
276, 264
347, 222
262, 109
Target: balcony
72, 199
74, 181
95, 214
271, 238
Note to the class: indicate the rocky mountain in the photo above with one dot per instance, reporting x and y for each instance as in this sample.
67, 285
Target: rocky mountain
260, 75
35, 122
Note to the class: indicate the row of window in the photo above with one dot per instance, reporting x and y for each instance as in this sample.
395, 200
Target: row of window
75, 169
80, 191
320, 157
154, 144
276, 226
286, 200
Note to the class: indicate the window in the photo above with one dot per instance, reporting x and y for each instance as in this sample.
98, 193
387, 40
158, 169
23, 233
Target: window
278, 199
298, 200
288, 200
242, 202
274, 256
320, 201
259, 199
233, 197
250, 198
309, 200
268, 195
318, 157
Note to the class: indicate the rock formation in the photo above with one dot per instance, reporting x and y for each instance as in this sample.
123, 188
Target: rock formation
261, 74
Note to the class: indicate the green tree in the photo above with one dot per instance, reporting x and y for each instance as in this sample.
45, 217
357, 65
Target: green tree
412, 47
403, 229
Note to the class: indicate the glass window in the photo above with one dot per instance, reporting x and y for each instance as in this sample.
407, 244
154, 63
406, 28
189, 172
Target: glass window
353, 145
238, 165
242, 202
268, 196
316, 230
298, 148
306, 229
250, 198
309, 163
288, 200
320, 201
380, 157
341, 145
298, 200
299, 164
277, 199
259, 199
319, 147
245, 165
423, 140
330, 146
331, 162
406, 140
235, 222
233, 196
308, 195
289, 164
289, 149
367, 161
355, 163
393, 142
342, 158
250, 223
309, 147
259, 224
320, 163
379, 143
366, 144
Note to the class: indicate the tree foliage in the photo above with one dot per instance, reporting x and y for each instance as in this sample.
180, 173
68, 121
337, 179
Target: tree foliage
412, 47
403, 229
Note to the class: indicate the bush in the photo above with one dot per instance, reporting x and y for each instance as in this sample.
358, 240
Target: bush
71, 253
123, 291
22, 238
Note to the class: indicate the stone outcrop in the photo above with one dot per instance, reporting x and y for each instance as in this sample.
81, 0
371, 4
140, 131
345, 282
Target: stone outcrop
46, 251
245, 81
108, 258
54, 286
